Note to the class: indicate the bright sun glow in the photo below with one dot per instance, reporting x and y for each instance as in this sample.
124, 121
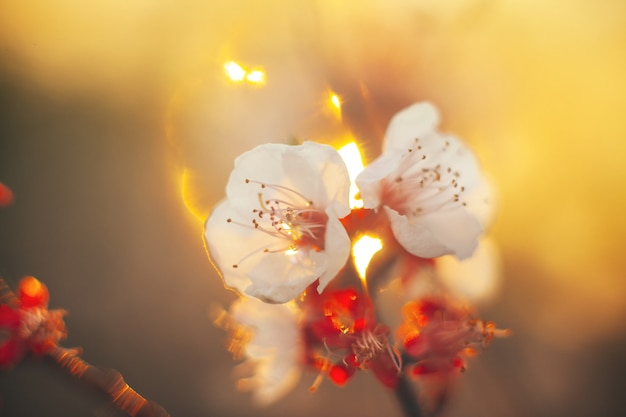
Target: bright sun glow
237, 74
291, 251
363, 250
234, 71
256, 77
334, 104
334, 98
352, 158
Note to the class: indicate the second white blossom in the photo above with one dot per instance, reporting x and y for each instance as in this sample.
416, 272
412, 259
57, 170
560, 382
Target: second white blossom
430, 186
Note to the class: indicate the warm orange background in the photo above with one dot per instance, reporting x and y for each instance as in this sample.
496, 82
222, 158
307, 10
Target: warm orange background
112, 111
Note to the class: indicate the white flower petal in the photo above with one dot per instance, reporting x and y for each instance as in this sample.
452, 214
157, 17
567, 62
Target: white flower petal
480, 201
430, 185
326, 175
338, 244
274, 349
314, 171
280, 277
448, 232
370, 179
417, 239
416, 121
226, 251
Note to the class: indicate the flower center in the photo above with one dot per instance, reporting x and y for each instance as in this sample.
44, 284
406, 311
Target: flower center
422, 183
289, 216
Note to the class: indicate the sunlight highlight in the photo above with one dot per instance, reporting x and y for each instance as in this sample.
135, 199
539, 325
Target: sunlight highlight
352, 158
234, 71
184, 191
256, 77
334, 104
363, 251
237, 74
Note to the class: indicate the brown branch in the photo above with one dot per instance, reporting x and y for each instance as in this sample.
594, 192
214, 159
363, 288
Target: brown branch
108, 381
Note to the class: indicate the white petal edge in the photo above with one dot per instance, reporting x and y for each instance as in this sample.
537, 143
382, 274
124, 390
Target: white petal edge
481, 201
226, 249
370, 179
337, 244
278, 279
419, 119
314, 170
449, 232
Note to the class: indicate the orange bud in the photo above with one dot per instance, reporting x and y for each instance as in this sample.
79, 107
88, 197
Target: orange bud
32, 292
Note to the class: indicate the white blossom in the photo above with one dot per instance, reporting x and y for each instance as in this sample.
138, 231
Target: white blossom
278, 229
430, 186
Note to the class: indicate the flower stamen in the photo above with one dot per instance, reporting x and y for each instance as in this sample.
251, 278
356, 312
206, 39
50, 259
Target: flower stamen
298, 222
370, 344
438, 186
282, 188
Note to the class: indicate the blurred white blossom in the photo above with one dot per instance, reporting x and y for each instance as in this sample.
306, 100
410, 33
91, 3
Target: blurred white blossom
274, 348
476, 279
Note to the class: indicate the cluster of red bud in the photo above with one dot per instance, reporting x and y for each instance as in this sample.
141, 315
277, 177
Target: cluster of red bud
436, 336
29, 327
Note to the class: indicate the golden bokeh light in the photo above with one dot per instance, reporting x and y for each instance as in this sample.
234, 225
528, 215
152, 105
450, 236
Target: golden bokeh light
354, 162
237, 74
256, 77
234, 71
363, 250
186, 196
334, 105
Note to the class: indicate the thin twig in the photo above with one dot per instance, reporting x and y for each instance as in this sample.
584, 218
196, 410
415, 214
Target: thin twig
110, 381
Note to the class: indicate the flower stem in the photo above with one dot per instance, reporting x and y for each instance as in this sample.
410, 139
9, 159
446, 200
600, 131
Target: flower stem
407, 397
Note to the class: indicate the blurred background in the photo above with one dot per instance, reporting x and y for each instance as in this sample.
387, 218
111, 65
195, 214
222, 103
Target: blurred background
118, 130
